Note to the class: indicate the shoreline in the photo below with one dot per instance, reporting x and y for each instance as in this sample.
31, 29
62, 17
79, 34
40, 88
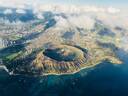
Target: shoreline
61, 74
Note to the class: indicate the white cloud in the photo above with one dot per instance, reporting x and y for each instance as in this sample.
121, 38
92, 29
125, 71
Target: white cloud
21, 11
61, 22
74, 9
38, 5
113, 10
40, 16
82, 21
110, 15
113, 20
8, 11
13, 3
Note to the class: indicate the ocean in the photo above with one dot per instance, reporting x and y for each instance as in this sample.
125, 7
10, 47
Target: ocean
105, 79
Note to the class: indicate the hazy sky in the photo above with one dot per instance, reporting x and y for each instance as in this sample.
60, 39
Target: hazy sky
102, 3
90, 2
105, 2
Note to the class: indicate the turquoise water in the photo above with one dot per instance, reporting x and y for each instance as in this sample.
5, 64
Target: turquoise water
103, 80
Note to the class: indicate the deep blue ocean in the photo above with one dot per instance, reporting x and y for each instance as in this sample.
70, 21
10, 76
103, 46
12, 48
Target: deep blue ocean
105, 79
